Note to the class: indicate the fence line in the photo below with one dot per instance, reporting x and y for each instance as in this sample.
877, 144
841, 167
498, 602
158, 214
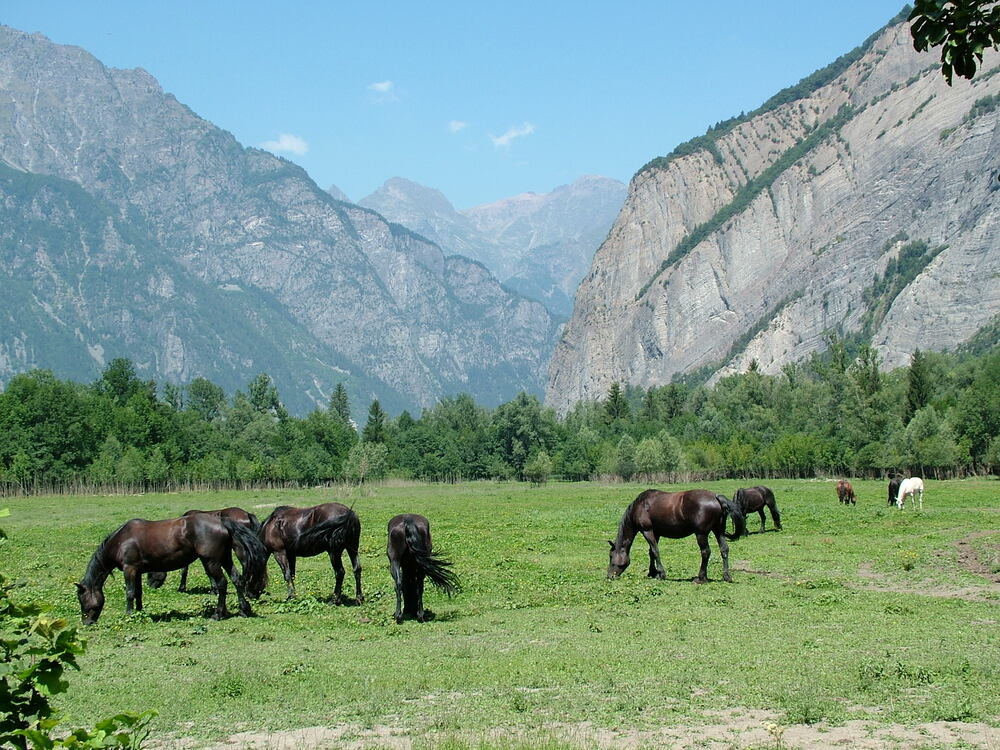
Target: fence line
34, 488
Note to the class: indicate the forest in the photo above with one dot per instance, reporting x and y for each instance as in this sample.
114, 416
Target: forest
835, 414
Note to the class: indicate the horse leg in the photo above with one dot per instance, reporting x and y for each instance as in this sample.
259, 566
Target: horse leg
763, 522
724, 551
183, 585
352, 552
238, 584
705, 554
214, 570
655, 566
421, 617
921, 498
397, 578
338, 568
133, 589
287, 564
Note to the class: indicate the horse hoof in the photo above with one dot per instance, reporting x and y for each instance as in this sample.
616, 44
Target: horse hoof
727, 578
360, 599
398, 619
700, 580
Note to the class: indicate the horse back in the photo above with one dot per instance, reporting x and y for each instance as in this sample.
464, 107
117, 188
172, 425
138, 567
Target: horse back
157, 545
678, 514
397, 546
752, 499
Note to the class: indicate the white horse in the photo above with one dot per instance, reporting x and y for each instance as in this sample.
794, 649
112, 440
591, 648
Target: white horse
910, 487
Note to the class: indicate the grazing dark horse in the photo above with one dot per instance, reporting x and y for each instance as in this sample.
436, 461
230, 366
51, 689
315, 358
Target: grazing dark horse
894, 489
845, 492
411, 560
754, 500
289, 533
676, 515
141, 546
240, 516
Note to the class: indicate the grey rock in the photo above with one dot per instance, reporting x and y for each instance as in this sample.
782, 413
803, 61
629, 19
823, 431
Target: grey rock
771, 281
363, 295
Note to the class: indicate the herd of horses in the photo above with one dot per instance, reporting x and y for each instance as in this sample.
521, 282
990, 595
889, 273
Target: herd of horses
899, 490
152, 548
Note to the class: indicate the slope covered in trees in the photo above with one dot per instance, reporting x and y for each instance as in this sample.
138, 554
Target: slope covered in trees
837, 414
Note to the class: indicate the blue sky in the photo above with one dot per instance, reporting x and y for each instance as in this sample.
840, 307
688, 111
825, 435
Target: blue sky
480, 100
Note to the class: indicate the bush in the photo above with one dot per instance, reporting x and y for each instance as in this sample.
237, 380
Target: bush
538, 468
36, 651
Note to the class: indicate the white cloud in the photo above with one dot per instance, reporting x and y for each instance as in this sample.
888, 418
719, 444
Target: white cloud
504, 140
384, 91
455, 126
288, 143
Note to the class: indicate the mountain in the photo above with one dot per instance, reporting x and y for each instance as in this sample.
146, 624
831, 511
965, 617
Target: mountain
132, 227
864, 202
539, 245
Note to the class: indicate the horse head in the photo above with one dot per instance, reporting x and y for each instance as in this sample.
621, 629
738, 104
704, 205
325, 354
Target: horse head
91, 602
618, 560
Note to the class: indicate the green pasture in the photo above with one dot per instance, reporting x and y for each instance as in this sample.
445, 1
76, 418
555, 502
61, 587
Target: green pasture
850, 612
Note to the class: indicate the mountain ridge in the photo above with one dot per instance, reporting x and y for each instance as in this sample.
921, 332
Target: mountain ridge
775, 231
378, 300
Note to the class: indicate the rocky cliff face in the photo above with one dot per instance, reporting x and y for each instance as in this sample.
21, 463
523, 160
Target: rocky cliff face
539, 245
344, 289
869, 205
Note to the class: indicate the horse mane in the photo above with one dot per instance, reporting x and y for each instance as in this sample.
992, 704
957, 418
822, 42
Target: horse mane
276, 510
98, 569
627, 524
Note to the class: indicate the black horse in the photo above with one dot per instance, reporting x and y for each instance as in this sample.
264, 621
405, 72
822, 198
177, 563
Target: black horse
411, 560
754, 500
141, 546
894, 489
240, 516
676, 515
289, 533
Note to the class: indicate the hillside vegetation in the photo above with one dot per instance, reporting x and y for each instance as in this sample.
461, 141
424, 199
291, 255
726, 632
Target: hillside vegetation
837, 414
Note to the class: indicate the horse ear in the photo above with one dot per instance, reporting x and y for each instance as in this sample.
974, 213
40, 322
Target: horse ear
611, 544
79, 586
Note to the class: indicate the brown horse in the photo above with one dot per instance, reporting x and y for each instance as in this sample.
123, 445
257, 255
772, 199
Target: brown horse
754, 500
845, 492
675, 515
141, 546
240, 516
289, 533
411, 560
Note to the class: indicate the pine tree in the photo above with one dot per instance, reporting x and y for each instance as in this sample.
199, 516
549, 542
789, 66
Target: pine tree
918, 392
375, 428
340, 407
616, 405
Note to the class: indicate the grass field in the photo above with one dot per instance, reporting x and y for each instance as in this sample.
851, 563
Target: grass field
852, 614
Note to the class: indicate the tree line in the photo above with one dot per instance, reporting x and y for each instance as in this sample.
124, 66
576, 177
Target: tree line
836, 414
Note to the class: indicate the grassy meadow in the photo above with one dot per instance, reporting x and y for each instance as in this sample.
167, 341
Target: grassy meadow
849, 613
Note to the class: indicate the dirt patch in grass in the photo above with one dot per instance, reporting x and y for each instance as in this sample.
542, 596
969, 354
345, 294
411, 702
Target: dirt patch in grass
882, 582
736, 729
970, 558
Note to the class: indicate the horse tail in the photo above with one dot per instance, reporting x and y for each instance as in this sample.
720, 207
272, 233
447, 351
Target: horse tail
331, 533
436, 568
730, 508
254, 578
738, 499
